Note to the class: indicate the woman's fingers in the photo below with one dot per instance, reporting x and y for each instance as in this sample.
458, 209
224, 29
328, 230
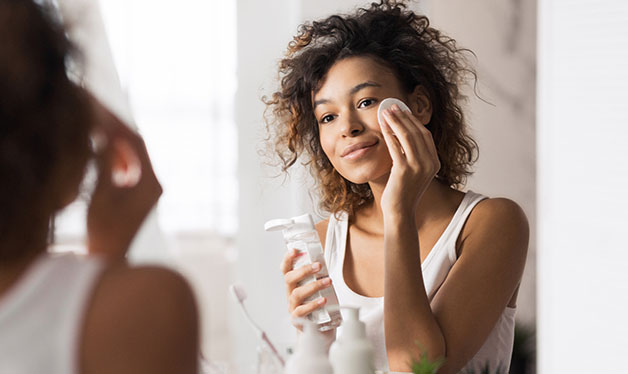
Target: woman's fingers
304, 309
405, 131
415, 140
392, 142
126, 190
424, 148
424, 133
300, 294
130, 154
288, 261
296, 275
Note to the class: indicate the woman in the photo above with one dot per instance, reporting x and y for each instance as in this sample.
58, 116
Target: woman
433, 269
67, 313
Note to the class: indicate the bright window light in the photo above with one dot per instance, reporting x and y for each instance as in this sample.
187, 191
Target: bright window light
176, 61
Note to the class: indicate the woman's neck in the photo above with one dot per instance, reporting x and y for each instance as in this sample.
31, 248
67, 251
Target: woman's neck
12, 270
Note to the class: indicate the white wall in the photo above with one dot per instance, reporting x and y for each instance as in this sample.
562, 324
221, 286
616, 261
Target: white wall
502, 35
582, 179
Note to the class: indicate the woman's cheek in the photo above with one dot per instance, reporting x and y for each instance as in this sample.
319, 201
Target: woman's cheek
327, 145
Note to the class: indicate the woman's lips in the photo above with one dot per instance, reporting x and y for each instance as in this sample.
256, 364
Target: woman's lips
357, 150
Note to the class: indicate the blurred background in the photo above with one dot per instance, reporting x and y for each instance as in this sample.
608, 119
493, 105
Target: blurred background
551, 130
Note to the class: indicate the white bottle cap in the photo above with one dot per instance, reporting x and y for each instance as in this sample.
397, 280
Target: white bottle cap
278, 224
387, 103
292, 226
304, 221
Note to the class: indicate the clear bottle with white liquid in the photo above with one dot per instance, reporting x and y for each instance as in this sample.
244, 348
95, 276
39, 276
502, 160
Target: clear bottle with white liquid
299, 233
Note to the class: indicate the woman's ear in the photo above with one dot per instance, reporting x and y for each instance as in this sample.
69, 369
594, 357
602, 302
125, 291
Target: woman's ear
420, 104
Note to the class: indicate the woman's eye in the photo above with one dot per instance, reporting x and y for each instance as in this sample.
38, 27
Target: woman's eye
327, 118
366, 102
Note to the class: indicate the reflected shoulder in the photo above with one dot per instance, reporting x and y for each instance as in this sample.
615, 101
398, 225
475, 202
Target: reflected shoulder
141, 319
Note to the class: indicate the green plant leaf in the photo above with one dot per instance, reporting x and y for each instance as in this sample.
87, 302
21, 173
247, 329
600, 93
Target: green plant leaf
423, 365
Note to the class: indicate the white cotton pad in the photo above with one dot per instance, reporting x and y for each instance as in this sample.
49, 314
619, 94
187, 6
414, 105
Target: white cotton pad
387, 103
126, 168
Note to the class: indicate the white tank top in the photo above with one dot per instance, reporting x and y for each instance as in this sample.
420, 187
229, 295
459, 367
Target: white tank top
42, 315
496, 351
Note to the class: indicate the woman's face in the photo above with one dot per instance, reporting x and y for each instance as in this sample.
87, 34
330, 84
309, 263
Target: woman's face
345, 107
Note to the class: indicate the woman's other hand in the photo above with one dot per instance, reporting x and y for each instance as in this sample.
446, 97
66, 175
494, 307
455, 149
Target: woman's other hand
127, 188
297, 295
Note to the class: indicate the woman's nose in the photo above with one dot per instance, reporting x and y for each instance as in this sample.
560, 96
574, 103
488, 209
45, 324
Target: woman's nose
352, 126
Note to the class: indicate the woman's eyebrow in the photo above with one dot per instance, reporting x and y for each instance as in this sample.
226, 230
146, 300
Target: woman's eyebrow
361, 86
352, 91
318, 102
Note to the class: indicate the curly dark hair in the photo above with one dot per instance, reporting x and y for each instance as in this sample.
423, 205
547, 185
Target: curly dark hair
45, 122
416, 53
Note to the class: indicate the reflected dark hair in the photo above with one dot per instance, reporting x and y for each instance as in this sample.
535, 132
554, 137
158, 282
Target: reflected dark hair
415, 52
45, 121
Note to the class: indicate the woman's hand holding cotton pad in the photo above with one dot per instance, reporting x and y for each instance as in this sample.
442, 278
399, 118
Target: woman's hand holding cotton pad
387, 104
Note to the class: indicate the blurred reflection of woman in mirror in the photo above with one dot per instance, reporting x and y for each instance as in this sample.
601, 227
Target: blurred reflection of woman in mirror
65, 313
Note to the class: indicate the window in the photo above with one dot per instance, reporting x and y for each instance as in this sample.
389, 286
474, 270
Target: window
176, 61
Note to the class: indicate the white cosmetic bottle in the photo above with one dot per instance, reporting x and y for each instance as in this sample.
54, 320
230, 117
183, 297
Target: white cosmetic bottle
352, 352
310, 356
300, 234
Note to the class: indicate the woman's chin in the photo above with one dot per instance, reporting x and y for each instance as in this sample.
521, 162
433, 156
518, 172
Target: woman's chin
368, 177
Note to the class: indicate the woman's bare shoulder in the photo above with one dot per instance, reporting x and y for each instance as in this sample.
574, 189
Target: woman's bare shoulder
140, 319
498, 209
497, 218
321, 228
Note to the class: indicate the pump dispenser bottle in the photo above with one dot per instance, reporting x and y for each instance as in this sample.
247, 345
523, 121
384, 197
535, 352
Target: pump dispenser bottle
352, 352
310, 356
300, 234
